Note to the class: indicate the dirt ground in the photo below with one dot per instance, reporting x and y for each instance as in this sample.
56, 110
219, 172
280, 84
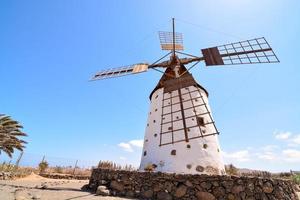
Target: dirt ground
36, 187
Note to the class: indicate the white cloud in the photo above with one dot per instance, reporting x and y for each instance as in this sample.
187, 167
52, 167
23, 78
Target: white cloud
282, 135
291, 155
269, 148
284, 155
267, 152
296, 139
125, 146
137, 143
293, 139
240, 156
129, 146
266, 156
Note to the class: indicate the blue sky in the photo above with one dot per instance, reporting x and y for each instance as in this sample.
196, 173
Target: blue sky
50, 49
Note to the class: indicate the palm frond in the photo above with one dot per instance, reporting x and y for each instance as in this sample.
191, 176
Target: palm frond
10, 130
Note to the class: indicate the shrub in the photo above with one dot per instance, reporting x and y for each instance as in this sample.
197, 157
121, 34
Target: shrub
257, 173
58, 169
150, 167
43, 166
231, 170
109, 165
113, 166
296, 179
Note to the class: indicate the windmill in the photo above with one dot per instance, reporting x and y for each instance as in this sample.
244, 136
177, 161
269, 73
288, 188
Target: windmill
181, 135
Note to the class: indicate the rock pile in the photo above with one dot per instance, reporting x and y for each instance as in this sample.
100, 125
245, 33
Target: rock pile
147, 185
5, 176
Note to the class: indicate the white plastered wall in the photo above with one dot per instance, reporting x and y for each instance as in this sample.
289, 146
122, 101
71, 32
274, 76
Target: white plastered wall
189, 155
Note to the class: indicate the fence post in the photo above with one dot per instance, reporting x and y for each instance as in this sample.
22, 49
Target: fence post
75, 167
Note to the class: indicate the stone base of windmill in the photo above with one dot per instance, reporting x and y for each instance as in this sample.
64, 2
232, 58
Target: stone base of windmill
150, 185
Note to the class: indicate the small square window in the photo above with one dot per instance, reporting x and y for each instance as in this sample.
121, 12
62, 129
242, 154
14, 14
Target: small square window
173, 152
200, 121
145, 153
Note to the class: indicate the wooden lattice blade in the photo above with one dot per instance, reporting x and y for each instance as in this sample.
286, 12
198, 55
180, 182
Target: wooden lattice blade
245, 52
166, 41
178, 47
121, 71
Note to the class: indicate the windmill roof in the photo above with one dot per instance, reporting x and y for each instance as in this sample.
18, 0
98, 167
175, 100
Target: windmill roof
170, 83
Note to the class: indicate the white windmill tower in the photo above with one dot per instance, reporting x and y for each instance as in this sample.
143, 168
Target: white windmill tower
181, 136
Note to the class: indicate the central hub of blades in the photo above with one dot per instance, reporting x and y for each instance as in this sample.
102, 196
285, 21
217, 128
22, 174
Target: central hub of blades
175, 65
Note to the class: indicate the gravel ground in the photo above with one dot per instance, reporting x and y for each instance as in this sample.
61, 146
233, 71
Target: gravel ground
44, 189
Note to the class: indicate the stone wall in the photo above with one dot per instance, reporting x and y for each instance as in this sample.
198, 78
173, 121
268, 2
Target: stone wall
147, 185
64, 176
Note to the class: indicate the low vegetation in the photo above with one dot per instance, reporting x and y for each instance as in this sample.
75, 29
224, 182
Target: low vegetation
113, 166
69, 170
234, 171
231, 170
296, 178
19, 172
43, 166
16, 171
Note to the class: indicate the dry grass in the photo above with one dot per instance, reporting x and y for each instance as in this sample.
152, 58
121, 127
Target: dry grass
69, 170
113, 166
19, 172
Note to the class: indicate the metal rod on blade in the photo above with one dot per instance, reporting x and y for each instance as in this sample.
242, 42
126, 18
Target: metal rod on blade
173, 37
245, 52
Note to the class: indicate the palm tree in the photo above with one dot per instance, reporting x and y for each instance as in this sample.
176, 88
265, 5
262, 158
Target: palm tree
10, 130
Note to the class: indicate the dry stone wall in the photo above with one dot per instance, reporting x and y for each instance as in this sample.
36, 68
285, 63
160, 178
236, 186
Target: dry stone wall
162, 186
65, 176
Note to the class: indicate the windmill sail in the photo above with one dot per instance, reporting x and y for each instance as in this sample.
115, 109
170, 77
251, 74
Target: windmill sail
166, 40
245, 52
121, 71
